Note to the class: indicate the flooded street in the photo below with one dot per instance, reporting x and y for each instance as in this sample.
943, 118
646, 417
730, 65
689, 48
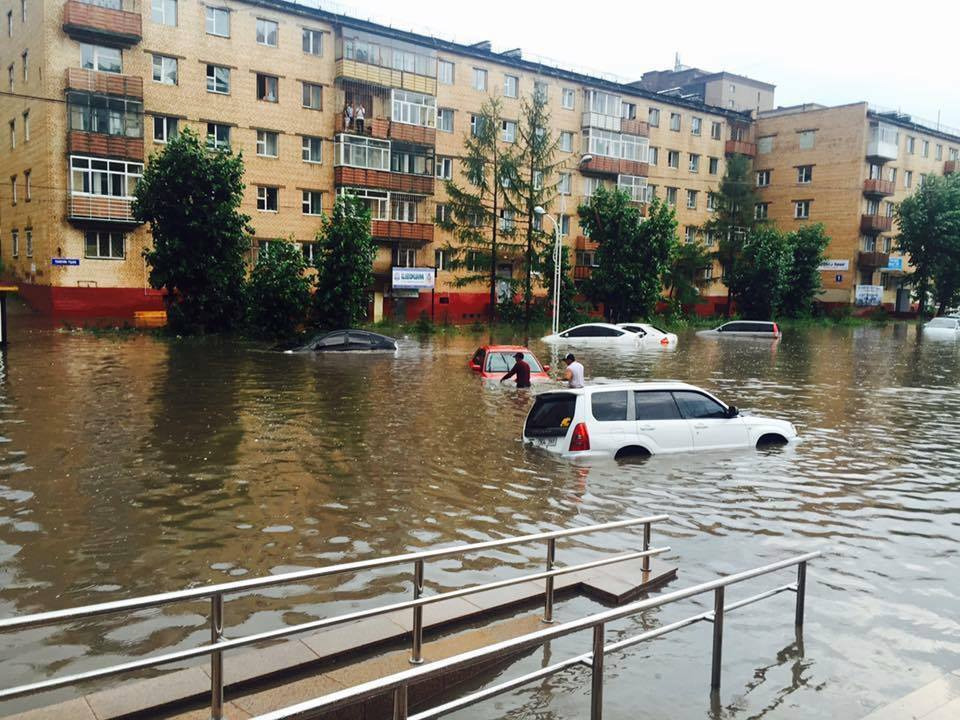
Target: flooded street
132, 465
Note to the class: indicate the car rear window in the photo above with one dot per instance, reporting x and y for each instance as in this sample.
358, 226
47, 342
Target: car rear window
502, 362
754, 327
609, 406
592, 331
694, 405
656, 405
551, 415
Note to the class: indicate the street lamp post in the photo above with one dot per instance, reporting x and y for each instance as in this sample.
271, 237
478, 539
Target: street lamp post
557, 258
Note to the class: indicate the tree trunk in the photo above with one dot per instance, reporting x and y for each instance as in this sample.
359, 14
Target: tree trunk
528, 285
493, 244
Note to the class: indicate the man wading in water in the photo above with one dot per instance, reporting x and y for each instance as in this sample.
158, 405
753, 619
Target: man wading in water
521, 369
574, 372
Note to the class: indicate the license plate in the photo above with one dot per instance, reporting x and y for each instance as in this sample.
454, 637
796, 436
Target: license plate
544, 442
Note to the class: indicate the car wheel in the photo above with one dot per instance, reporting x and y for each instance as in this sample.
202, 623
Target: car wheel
632, 452
771, 440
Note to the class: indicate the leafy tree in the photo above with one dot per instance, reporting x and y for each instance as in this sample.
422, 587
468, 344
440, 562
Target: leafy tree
733, 216
806, 246
929, 223
477, 203
344, 256
569, 313
191, 197
278, 293
684, 275
760, 274
632, 254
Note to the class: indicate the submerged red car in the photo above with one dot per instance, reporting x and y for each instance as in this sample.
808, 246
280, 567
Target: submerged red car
495, 361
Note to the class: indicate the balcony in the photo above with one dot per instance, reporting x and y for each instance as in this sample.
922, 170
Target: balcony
878, 188
740, 147
382, 180
406, 231
600, 165
93, 23
582, 272
600, 121
84, 209
102, 83
385, 77
635, 127
584, 243
873, 224
384, 129
882, 144
101, 145
872, 260
951, 166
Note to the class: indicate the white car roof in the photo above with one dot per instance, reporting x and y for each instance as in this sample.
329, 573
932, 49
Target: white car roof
604, 325
652, 385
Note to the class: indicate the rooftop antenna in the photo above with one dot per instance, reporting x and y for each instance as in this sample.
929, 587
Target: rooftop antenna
676, 62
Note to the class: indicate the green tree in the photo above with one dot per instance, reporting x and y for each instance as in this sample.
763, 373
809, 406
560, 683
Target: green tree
632, 253
806, 246
278, 293
191, 197
343, 256
733, 217
477, 203
929, 223
760, 274
569, 313
684, 275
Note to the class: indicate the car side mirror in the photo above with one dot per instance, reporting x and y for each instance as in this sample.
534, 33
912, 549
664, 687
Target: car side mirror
546, 368
732, 411
474, 366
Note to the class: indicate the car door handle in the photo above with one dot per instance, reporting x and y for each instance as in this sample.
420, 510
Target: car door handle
647, 428
701, 426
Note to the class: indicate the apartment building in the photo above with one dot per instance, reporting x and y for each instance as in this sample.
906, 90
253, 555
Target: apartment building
94, 88
847, 167
720, 89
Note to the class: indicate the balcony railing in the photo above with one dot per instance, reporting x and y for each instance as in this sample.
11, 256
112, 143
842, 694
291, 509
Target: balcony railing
385, 77
344, 176
582, 272
882, 145
103, 83
85, 21
740, 147
635, 127
875, 223
601, 165
874, 186
100, 208
584, 243
396, 230
872, 259
101, 145
600, 121
384, 129
951, 166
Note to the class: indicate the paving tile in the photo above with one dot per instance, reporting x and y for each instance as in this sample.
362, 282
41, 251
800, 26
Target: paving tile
921, 703
511, 595
950, 711
373, 668
230, 712
297, 691
72, 709
350, 638
245, 665
444, 611
138, 695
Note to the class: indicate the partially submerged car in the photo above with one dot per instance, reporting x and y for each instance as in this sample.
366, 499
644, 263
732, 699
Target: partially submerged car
945, 328
341, 340
762, 329
597, 334
494, 361
649, 334
642, 419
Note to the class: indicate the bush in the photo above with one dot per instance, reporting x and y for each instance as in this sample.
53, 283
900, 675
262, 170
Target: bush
278, 294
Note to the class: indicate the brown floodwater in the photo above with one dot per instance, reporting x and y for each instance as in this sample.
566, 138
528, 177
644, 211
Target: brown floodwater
130, 465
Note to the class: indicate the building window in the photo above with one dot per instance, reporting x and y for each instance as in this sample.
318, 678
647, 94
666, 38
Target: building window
445, 72
479, 79
218, 79
908, 178
218, 21
23, 11
107, 115
13, 189
564, 225
10, 23
312, 96
690, 234
653, 117
511, 86
806, 139
26, 126
165, 69
13, 134
761, 211
716, 130
164, 128
312, 149
405, 257
15, 242
101, 59
312, 202
267, 87
267, 32
476, 124
692, 199
313, 42
673, 159
568, 98
267, 198
99, 176
507, 220
362, 152
628, 111
103, 245
565, 184
566, 141
675, 122
27, 187
801, 209
165, 12
695, 125
445, 168
439, 260
10, 77
714, 166
509, 133
25, 59
540, 89
218, 136
672, 196
925, 148
445, 120
711, 202
954, 154
267, 142
939, 155
410, 162
763, 178
653, 155
28, 237
403, 210
442, 213
694, 165
805, 173
413, 108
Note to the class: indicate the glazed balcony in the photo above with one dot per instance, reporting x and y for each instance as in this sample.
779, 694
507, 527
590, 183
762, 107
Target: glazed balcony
84, 209
344, 176
101, 145
951, 166
405, 231
878, 188
635, 127
740, 147
600, 165
385, 77
384, 129
873, 224
872, 259
102, 83
94, 23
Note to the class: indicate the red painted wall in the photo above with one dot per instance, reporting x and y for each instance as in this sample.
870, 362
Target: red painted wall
90, 302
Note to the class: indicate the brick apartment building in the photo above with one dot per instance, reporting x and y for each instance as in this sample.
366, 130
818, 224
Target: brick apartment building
94, 88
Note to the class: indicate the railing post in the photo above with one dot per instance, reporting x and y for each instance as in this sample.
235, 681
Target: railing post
400, 703
416, 656
646, 546
216, 657
596, 674
548, 595
801, 592
717, 638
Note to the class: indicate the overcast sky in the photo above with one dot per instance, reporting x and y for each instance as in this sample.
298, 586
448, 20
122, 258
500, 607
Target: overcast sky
901, 55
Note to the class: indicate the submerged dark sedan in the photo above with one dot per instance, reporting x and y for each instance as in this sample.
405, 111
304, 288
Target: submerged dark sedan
346, 340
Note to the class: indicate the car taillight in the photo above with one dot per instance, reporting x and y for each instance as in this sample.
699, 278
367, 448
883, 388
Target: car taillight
581, 439
664, 341
776, 330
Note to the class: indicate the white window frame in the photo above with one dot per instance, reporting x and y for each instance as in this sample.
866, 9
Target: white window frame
442, 114
696, 125
377, 201
634, 185
693, 162
211, 16
101, 173
804, 174
403, 209
480, 79
761, 211
653, 117
264, 196
263, 143
263, 32
566, 141
671, 155
413, 108
15, 242
307, 95
568, 98
306, 149
164, 121
98, 54
508, 130
311, 41
111, 237
266, 96
801, 209
444, 167
511, 86
218, 75
362, 152
160, 9
713, 166
763, 178
306, 202
675, 126
692, 196
716, 130
28, 241
671, 196
26, 126
214, 141
446, 72
565, 183
161, 65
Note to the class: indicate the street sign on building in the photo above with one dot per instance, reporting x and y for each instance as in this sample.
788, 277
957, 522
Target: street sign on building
413, 278
65, 261
834, 265
895, 264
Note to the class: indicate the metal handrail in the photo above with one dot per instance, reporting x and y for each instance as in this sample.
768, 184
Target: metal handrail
399, 683
215, 593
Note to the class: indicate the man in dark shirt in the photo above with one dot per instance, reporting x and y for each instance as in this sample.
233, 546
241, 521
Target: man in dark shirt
521, 369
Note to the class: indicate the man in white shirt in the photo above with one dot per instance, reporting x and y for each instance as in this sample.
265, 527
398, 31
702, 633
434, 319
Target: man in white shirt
574, 372
359, 116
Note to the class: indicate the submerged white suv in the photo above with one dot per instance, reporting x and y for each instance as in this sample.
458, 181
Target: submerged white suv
649, 418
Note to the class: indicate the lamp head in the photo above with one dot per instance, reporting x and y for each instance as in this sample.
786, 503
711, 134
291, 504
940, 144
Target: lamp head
539, 210
586, 158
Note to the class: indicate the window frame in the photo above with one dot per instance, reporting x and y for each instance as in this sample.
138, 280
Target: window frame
263, 85
263, 143
264, 198
266, 23
478, 75
307, 147
166, 128
110, 243
210, 18
213, 79
307, 202
306, 93
565, 94
162, 67
164, 6
313, 38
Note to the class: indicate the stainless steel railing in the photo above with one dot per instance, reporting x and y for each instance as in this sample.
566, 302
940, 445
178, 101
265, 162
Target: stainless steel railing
400, 683
215, 594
